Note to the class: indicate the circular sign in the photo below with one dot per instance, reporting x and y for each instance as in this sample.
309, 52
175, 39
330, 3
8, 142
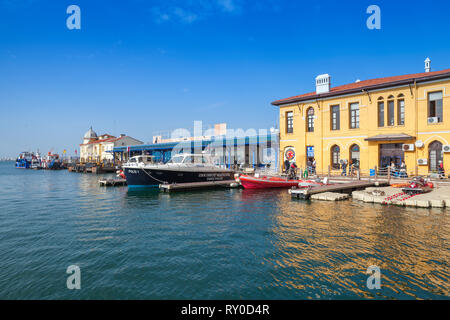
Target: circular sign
289, 154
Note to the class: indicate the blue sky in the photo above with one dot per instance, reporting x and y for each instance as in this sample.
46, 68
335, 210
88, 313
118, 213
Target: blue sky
138, 67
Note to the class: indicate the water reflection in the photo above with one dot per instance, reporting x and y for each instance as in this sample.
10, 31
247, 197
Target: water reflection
218, 244
330, 245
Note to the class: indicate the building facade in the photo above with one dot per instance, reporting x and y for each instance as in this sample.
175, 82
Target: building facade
257, 151
99, 149
370, 124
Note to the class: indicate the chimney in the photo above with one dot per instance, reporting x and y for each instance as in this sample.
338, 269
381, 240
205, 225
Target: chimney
427, 65
122, 134
323, 83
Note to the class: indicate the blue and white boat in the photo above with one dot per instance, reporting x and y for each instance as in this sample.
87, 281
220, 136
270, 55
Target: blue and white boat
24, 160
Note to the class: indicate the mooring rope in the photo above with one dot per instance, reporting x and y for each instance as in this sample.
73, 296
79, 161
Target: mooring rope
153, 177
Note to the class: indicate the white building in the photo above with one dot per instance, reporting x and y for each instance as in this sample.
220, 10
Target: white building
100, 148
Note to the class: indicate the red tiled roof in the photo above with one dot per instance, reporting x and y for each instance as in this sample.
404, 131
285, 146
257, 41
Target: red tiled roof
366, 84
112, 139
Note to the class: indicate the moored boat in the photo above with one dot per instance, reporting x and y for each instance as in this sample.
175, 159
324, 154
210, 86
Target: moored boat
143, 171
51, 161
250, 182
24, 159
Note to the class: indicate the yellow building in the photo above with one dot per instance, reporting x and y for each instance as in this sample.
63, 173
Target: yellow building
370, 123
99, 149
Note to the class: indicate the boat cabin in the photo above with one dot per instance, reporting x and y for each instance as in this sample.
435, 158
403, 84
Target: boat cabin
142, 159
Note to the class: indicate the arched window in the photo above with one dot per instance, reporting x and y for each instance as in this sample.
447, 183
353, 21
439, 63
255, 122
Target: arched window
310, 119
434, 155
381, 112
354, 155
391, 111
400, 109
335, 157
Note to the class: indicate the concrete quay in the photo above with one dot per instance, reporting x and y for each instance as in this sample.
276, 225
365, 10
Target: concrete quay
438, 198
330, 196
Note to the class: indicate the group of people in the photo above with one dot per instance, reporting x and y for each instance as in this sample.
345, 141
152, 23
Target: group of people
401, 172
352, 167
290, 168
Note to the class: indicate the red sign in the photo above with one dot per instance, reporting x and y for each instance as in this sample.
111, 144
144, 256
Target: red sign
289, 154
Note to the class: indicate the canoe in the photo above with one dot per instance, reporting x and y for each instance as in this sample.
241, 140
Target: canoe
249, 182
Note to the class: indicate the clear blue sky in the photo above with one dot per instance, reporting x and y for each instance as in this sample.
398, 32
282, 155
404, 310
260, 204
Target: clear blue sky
138, 66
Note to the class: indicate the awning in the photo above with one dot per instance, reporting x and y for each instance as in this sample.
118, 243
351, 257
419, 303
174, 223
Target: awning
391, 137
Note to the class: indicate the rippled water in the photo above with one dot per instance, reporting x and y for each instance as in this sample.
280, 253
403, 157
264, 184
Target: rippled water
223, 244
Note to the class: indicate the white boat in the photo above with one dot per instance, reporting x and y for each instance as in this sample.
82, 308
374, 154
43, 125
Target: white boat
143, 171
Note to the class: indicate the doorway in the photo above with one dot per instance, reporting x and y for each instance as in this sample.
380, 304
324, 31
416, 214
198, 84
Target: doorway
391, 152
435, 155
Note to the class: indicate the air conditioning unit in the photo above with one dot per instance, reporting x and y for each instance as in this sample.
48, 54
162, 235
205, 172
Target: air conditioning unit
408, 147
433, 120
422, 162
446, 148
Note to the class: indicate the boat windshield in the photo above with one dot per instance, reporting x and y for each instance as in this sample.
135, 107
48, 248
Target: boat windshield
189, 159
195, 159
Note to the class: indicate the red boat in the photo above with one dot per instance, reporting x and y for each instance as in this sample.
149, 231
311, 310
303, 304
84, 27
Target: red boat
249, 182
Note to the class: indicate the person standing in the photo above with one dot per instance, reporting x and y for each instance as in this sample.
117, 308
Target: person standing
314, 166
393, 168
287, 166
403, 169
441, 169
344, 168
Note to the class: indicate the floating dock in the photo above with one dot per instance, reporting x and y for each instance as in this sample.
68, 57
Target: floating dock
112, 182
349, 187
198, 185
438, 198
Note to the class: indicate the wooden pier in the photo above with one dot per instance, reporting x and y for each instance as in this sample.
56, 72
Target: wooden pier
112, 182
198, 185
349, 187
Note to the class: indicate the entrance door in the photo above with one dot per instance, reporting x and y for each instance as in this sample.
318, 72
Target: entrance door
391, 152
435, 155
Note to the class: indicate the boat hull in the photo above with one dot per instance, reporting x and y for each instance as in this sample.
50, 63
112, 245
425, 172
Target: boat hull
23, 164
149, 177
274, 182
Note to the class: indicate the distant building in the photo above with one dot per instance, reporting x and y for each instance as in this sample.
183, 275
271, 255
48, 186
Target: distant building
100, 148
